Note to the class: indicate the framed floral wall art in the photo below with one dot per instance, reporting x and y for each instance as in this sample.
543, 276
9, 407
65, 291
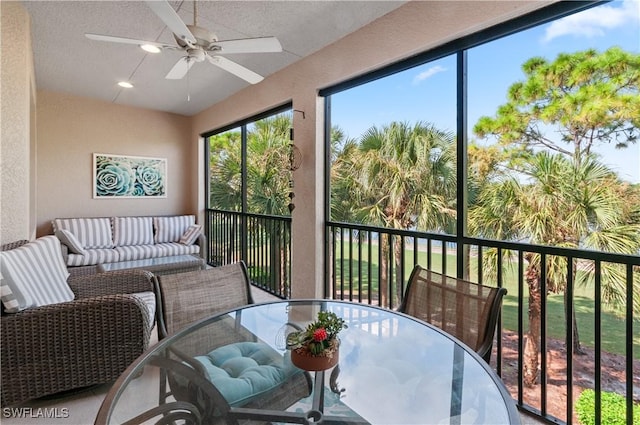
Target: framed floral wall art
118, 176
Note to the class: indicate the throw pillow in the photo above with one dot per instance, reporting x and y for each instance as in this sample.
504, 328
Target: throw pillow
36, 274
191, 235
69, 239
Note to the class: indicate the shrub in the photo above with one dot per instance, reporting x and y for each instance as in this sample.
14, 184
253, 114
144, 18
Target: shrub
614, 409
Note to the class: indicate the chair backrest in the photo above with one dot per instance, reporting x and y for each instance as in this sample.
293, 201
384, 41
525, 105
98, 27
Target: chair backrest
461, 308
185, 298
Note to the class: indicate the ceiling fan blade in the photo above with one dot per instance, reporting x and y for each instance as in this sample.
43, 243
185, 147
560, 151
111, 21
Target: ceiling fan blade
125, 40
171, 19
236, 69
248, 45
180, 69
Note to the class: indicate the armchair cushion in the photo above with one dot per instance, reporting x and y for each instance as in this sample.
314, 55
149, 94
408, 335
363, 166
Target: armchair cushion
35, 274
149, 300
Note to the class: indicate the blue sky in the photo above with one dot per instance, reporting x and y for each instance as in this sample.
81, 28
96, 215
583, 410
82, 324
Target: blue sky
427, 93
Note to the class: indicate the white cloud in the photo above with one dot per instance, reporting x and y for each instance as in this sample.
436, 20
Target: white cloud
428, 74
594, 22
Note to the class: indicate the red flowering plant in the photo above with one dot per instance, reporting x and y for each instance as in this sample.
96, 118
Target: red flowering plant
321, 337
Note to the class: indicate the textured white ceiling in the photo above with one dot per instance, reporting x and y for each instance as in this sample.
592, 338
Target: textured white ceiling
66, 61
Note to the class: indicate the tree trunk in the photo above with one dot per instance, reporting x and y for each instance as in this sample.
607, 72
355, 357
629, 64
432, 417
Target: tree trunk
576, 348
383, 285
399, 282
532, 342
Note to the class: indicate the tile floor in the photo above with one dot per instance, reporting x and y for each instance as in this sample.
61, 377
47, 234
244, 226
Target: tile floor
81, 408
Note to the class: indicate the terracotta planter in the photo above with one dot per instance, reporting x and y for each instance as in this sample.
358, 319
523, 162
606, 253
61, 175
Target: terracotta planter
306, 361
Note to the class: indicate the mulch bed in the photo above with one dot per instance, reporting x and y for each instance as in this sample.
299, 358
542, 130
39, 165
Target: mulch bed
612, 375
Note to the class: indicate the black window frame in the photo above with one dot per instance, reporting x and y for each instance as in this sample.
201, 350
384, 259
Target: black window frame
242, 125
459, 48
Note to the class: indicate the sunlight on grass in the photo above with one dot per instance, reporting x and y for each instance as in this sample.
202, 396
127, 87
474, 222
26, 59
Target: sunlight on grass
355, 277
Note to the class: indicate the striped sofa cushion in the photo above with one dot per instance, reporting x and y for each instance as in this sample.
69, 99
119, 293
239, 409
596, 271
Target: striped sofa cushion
36, 274
176, 248
93, 256
91, 232
129, 253
171, 229
132, 231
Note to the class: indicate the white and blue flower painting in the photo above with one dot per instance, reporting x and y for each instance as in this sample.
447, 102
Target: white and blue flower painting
129, 176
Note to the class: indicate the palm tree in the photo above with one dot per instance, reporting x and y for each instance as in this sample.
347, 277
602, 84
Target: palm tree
268, 175
400, 176
225, 174
562, 203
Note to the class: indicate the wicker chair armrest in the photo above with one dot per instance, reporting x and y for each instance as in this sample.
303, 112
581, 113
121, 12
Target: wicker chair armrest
110, 308
78, 271
115, 282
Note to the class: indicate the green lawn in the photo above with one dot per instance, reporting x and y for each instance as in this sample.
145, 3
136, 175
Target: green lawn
612, 325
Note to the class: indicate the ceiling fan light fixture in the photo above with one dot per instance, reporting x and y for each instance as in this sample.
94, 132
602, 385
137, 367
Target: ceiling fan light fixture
125, 84
150, 48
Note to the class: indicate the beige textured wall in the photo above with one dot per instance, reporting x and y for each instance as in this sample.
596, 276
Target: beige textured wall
410, 29
17, 153
71, 129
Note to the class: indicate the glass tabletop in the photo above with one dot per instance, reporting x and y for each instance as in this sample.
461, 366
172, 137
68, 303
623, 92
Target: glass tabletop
151, 262
392, 369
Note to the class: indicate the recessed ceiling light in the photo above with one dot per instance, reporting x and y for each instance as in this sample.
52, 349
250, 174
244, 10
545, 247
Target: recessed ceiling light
150, 48
125, 84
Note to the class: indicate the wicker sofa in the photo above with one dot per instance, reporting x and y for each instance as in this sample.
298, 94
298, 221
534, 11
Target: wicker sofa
88, 241
88, 340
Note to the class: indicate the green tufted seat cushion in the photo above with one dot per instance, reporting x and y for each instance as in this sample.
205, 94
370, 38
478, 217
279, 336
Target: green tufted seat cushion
245, 370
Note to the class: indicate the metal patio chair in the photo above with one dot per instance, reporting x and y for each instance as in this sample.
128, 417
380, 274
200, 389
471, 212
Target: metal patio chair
464, 309
186, 298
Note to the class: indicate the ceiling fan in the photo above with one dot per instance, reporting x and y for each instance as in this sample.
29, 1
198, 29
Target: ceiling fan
199, 44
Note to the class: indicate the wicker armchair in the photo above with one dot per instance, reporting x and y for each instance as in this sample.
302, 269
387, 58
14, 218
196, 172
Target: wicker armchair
463, 309
65, 346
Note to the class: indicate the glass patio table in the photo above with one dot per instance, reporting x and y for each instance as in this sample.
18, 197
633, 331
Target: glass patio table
392, 369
